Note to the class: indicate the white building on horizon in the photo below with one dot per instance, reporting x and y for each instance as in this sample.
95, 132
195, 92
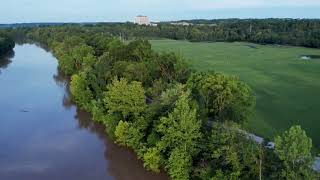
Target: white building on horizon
142, 20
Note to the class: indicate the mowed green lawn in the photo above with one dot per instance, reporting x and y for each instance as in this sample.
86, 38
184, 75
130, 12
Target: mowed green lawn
287, 88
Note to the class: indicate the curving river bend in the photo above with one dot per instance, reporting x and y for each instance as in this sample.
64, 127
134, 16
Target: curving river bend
43, 135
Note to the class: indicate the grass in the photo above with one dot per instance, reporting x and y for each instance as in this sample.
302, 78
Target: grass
287, 88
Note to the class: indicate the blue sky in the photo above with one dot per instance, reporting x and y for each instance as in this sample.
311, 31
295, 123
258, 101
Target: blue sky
21, 11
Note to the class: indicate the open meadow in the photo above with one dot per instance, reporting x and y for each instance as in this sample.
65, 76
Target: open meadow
287, 87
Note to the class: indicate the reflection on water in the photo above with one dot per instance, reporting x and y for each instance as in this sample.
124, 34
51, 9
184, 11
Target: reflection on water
5, 60
52, 138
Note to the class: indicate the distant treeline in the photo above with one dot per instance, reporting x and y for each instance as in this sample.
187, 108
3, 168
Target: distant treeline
265, 31
296, 32
6, 43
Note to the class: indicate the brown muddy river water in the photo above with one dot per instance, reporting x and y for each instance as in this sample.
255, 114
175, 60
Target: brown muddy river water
43, 135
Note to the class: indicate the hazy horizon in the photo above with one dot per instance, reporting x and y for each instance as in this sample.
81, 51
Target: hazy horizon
35, 11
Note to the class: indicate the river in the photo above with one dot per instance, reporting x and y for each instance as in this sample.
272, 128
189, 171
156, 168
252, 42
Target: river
43, 135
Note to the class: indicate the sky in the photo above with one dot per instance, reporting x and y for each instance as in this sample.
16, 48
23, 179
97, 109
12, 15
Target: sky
26, 11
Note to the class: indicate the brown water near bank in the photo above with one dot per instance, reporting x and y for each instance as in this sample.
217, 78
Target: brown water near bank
43, 135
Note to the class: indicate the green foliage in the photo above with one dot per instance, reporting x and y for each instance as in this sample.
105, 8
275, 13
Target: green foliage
111, 122
80, 90
128, 135
98, 111
158, 86
138, 50
66, 64
172, 67
117, 50
236, 155
122, 133
169, 97
137, 72
82, 54
294, 149
179, 164
125, 98
153, 138
152, 159
220, 175
223, 97
74, 55
99, 42
181, 129
89, 60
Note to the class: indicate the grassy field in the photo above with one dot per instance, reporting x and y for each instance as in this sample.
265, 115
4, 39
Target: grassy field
287, 88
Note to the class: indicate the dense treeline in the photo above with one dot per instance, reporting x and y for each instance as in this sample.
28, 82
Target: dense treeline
187, 123
297, 32
268, 31
304, 32
6, 43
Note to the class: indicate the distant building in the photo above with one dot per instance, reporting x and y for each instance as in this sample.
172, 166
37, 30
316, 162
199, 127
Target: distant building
142, 20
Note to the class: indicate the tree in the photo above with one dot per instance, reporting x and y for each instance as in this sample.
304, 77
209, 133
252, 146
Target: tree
223, 97
73, 54
182, 127
180, 133
82, 55
293, 148
179, 164
138, 50
128, 135
66, 64
172, 67
88, 61
232, 154
125, 98
80, 90
153, 159
169, 97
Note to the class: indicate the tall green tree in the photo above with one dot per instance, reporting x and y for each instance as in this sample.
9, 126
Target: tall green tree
139, 50
293, 148
180, 134
153, 159
81, 91
125, 98
222, 97
181, 128
179, 164
232, 154
128, 134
